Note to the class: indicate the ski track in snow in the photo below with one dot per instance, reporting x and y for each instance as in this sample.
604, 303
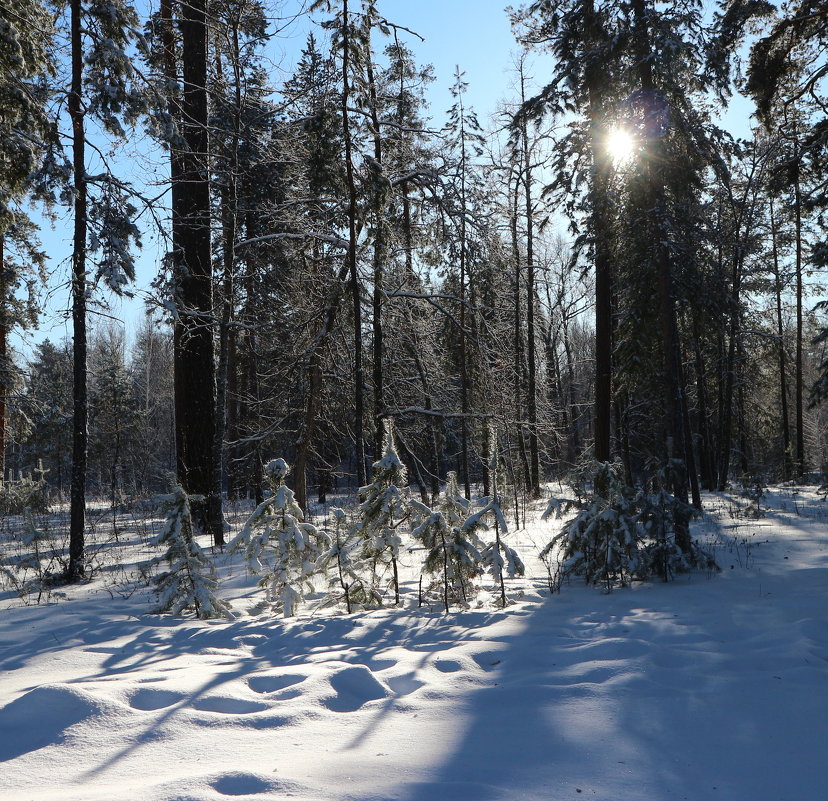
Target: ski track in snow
705, 688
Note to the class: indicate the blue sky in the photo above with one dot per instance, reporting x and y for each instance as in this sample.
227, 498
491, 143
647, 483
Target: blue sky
472, 34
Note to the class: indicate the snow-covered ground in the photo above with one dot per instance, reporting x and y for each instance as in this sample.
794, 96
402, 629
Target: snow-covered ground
710, 687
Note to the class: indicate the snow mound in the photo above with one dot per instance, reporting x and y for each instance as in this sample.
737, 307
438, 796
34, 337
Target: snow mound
236, 784
355, 686
43, 715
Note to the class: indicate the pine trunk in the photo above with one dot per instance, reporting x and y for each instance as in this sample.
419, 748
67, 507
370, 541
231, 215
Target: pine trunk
603, 266
780, 332
194, 363
77, 512
355, 283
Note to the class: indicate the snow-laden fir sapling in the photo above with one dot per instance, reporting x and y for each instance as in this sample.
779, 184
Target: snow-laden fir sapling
190, 582
452, 549
601, 542
497, 555
619, 533
384, 508
660, 515
341, 565
753, 489
279, 545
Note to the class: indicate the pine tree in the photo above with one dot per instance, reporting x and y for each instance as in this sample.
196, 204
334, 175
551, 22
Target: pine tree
190, 581
453, 549
113, 415
278, 545
498, 556
463, 140
25, 60
383, 510
101, 90
340, 562
47, 405
601, 542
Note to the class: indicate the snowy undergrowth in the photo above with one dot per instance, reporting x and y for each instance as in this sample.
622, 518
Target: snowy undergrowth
709, 687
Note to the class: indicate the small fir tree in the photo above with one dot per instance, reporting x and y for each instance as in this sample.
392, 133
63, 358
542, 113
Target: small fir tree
190, 582
452, 549
278, 543
660, 515
31, 570
384, 507
497, 556
601, 542
619, 534
341, 553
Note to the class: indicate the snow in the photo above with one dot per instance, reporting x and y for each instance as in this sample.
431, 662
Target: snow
709, 687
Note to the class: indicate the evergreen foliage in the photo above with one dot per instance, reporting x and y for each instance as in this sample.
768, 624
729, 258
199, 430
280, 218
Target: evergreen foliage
454, 551
190, 581
384, 508
278, 545
25, 495
340, 562
619, 533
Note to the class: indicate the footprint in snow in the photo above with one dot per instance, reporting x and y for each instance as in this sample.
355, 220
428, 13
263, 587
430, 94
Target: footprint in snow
355, 686
488, 660
227, 706
404, 685
270, 684
147, 699
447, 665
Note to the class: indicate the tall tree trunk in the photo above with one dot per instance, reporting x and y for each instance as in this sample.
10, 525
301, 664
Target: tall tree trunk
304, 440
464, 371
798, 389
780, 332
77, 501
229, 225
705, 446
726, 420
5, 376
380, 250
673, 422
519, 366
595, 79
194, 364
531, 387
355, 284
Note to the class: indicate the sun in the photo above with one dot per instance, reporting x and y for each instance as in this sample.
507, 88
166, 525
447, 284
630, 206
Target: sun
620, 145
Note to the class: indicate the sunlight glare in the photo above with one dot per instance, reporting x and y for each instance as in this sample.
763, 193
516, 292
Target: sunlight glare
620, 145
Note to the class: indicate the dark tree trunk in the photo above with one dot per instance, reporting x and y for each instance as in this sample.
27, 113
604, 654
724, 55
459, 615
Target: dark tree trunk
519, 366
5, 377
675, 450
380, 251
464, 371
603, 267
194, 363
780, 332
77, 513
355, 284
313, 397
705, 446
799, 383
531, 386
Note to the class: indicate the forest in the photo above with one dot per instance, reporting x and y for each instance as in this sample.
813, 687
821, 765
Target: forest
600, 281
